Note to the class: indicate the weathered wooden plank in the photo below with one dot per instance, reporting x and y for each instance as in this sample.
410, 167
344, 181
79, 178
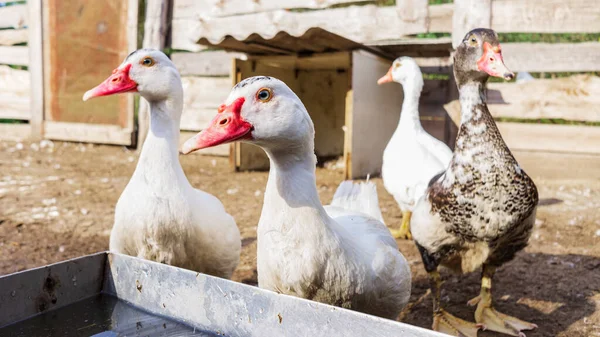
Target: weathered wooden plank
35, 67
208, 63
14, 132
440, 18
155, 33
320, 61
201, 8
372, 108
13, 16
413, 11
572, 98
9, 37
551, 137
582, 167
14, 55
549, 16
358, 23
196, 119
83, 132
155, 24
323, 93
552, 57
204, 92
469, 14
14, 93
201, 98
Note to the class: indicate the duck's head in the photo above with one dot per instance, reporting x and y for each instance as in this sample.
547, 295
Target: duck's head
260, 110
479, 56
146, 71
402, 70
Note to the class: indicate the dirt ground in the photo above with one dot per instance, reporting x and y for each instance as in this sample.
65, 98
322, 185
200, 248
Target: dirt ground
57, 199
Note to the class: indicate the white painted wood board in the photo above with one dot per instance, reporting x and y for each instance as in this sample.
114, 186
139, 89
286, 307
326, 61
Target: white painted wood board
573, 98
14, 93
9, 37
13, 16
552, 57
551, 137
469, 14
207, 63
198, 8
548, 16
35, 67
14, 132
83, 132
14, 55
201, 98
373, 116
357, 23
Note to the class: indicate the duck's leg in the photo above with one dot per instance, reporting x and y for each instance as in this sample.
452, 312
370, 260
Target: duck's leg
404, 231
488, 317
442, 320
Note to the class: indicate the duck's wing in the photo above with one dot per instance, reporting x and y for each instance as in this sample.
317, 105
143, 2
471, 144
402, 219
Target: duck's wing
358, 197
439, 150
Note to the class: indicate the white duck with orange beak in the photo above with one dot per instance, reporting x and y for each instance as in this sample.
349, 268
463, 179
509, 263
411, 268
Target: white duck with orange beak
412, 156
341, 254
159, 215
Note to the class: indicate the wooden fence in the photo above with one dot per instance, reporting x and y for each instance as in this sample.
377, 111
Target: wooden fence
21, 91
206, 73
570, 99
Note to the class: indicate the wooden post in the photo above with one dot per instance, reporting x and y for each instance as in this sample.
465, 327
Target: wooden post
470, 14
155, 36
36, 105
414, 11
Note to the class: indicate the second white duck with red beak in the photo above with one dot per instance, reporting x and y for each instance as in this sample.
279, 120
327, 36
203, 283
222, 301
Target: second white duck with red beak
159, 215
340, 254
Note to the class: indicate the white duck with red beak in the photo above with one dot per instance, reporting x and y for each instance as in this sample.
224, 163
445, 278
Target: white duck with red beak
412, 156
340, 255
159, 215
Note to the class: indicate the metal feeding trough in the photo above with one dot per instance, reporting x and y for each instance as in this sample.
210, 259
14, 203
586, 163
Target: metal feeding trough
109, 294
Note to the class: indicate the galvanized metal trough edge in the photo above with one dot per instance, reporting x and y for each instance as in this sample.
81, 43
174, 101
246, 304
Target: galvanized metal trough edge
201, 301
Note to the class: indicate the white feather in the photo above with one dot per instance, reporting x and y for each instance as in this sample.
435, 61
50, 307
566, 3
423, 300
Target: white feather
412, 156
159, 215
334, 254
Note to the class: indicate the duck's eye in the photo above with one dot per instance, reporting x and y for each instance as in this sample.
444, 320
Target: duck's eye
397, 65
147, 62
264, 94
473, 40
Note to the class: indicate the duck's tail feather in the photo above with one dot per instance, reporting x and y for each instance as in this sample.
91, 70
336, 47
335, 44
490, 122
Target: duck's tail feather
358, 197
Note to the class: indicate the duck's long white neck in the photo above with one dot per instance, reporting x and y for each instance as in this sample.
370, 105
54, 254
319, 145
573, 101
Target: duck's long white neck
160, 152
291, 199
409, 117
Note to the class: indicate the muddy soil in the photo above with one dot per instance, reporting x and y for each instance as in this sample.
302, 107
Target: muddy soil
57, 200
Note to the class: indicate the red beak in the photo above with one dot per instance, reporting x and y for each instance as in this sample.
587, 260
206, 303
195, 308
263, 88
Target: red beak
492, 63
387, 78
227, 126
116, 83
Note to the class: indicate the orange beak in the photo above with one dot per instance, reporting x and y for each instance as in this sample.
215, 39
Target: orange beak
118, 82
492, 63
387, 78
228, 126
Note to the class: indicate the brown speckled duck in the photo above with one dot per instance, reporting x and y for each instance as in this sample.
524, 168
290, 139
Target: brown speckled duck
481, 210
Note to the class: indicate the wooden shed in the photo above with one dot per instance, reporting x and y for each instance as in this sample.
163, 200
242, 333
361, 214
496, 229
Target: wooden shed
336, 79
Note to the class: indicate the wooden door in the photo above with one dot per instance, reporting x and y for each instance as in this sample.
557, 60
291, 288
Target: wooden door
84, 40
